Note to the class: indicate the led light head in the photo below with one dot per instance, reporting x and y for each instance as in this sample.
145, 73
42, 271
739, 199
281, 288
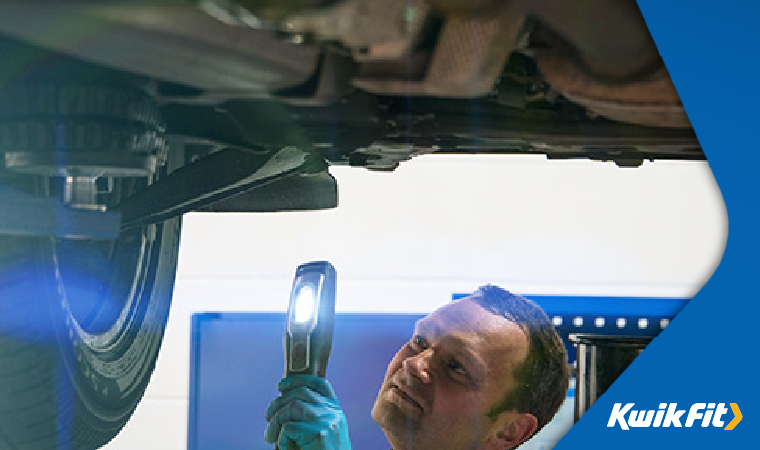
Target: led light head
305, 304
309, 327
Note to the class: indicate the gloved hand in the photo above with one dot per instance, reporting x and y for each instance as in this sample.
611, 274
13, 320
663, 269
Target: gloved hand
307, 414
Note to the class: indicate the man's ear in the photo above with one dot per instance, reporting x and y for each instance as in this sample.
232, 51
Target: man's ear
510, 430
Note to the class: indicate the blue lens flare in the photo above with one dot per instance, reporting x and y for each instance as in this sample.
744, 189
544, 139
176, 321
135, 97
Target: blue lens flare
34, 304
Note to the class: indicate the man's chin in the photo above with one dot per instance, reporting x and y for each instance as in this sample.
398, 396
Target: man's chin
401, 431
394, 415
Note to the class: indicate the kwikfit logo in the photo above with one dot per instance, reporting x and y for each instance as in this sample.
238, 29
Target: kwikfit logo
668, 415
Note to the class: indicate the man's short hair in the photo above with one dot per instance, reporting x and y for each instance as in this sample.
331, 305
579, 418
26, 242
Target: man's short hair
542, 379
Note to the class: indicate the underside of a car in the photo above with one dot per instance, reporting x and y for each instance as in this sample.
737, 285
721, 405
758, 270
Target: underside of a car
118, 117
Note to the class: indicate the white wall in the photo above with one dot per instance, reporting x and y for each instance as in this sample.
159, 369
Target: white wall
406, 241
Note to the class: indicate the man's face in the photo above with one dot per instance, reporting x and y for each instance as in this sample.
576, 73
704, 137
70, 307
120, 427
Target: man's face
440, 386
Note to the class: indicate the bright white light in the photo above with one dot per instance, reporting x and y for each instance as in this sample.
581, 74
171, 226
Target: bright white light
578, 321
557, 321
621, 322
599, 322
306, 303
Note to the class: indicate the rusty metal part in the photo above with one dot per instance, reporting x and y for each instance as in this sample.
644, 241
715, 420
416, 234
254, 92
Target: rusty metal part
601, 56
651, 101
610, 39
372, 30
413, 66
669, 116
468, 58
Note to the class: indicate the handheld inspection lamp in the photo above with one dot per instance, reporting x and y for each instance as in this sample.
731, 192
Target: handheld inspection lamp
310, 320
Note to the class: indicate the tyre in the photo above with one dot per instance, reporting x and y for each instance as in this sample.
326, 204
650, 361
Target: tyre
80, 330
81, 321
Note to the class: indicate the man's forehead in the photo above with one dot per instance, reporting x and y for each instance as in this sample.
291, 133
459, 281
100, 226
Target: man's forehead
466, 317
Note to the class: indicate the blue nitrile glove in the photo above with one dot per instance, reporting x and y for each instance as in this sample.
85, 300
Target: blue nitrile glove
308, 414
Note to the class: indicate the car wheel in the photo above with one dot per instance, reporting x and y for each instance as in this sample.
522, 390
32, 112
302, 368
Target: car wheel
81, 323
81, 320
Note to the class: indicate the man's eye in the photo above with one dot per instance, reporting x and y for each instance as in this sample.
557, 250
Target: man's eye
457, 368
418, 343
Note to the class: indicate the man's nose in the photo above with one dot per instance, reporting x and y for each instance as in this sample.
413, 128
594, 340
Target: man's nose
419, 365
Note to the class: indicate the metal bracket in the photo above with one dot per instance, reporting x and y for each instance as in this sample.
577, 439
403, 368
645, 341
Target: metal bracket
213, 178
